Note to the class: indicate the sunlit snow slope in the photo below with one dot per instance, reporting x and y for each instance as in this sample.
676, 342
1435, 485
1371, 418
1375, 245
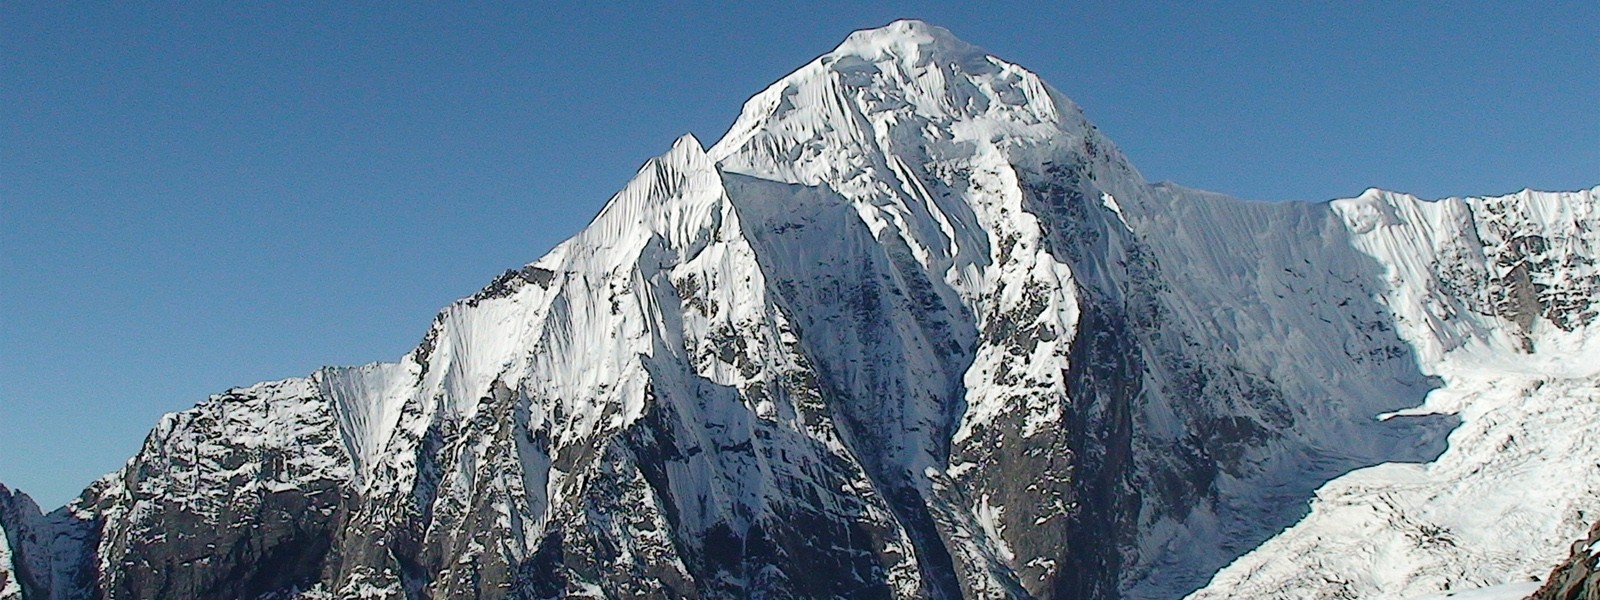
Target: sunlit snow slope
1498, 296
912, 329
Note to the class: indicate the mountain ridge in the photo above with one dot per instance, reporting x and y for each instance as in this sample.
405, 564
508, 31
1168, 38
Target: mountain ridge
913, 301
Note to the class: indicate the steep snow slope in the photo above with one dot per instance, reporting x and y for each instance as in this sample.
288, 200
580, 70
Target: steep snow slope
912, 328
1497, 295
10, 580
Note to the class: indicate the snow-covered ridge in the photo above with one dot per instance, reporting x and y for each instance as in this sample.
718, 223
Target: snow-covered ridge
912, 328
1495, 274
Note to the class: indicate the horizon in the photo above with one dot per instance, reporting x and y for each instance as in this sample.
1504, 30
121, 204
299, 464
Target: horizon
248, 194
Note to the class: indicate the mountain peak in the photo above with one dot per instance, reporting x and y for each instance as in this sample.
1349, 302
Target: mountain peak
906, 39
909, 90
912, 329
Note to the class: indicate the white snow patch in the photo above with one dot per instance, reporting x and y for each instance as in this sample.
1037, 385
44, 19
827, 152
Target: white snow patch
1508, 591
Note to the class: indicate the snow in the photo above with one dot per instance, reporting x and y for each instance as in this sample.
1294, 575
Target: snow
861, 284
10, 584
1509, 591
368, 403
989, 521
1517, 478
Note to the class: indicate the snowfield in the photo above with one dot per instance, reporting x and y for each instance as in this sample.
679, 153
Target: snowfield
1519, 480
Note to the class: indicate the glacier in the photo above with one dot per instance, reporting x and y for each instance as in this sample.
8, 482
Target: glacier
913, 328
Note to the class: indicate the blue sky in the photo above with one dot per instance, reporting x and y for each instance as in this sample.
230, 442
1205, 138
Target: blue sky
199, 196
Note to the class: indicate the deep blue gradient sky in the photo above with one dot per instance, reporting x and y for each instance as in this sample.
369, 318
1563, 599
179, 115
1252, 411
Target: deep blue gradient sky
199, 197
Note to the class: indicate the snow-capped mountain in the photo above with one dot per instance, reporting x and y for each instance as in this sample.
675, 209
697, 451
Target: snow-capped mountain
912, 329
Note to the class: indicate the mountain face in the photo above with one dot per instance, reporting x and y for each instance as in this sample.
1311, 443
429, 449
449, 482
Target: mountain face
912, 329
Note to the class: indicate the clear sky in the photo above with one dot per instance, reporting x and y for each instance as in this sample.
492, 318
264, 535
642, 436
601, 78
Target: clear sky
195, 196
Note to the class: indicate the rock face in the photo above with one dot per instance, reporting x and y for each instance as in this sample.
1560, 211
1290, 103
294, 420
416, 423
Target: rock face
912, 329
1579, 577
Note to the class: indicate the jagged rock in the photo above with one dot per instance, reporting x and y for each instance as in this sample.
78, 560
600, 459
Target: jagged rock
1579, 577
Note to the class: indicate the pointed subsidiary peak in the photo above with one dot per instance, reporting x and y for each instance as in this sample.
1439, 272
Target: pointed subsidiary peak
685, 159
676, 195
686, 150
665, 176
910, 40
